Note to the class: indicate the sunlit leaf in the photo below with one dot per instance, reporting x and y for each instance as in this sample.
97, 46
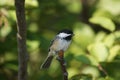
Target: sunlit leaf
72, 72
100, 36
33, 44
91, 71
112, 6
32, 3
33, 27
101, 12
74, 6
76, 49
109, 40
93, 60
12, 15
5, 2
104, 22
99, 51
113, 52
74, 62
83, 34
117, 37
5, 31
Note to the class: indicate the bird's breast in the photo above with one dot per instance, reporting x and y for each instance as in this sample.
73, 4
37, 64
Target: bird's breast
63, 44
59, 44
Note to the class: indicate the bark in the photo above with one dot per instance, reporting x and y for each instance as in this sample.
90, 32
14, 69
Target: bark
63, 65
21, 39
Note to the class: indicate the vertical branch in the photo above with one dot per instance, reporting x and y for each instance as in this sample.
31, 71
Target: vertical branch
62, 64
85, 11
21, 39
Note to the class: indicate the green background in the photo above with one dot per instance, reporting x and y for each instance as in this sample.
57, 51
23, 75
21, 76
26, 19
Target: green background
95, 23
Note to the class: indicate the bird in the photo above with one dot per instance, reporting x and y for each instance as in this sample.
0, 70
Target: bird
60, 42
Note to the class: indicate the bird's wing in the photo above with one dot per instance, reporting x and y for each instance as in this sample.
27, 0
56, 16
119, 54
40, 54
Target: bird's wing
54, 41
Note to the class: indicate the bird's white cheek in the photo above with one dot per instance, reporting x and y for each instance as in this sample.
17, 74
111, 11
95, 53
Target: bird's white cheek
62, 35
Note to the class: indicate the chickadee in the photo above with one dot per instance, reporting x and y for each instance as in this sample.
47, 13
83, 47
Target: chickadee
61, 42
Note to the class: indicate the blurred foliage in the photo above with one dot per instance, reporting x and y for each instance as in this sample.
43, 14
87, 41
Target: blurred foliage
96, 25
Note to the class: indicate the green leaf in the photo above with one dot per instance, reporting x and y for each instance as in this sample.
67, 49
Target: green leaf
33, 44
104, 22
113, 52
83, 58
32, 3
113, 6
5, 31
91, 70
93, 60
117, 37
109, 40
99, 51
100, 36
106, 78
84, 34
11, 66
74, 6
82, 77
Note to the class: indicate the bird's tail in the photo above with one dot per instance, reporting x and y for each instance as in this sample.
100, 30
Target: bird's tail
47, 62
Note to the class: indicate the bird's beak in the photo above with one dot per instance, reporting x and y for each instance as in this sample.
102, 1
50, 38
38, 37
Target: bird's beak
73, 34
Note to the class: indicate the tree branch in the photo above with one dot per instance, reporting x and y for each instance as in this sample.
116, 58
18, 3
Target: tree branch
102, 69
21, 39
63, 64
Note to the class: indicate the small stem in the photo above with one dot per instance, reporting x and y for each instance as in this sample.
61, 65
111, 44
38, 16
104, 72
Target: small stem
62, 64
101, 69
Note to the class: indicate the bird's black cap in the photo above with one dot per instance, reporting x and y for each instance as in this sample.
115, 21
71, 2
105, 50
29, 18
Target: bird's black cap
66, 31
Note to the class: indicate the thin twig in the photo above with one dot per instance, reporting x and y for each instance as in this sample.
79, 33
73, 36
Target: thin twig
63, 64
102, 69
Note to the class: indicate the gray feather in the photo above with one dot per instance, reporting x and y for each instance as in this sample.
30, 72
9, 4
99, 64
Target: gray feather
47, 62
